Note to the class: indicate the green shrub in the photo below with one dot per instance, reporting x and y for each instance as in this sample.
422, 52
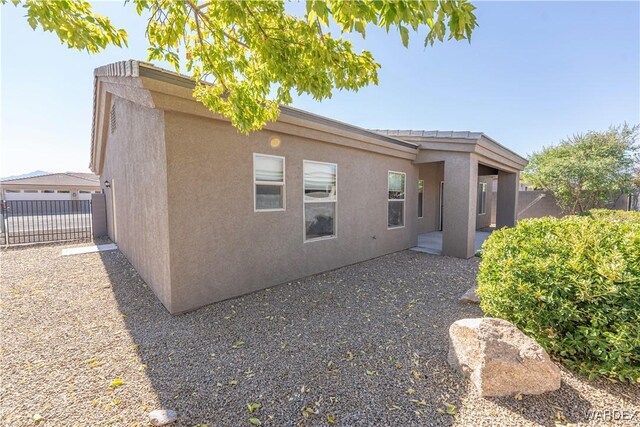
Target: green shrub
613, 215
572, 284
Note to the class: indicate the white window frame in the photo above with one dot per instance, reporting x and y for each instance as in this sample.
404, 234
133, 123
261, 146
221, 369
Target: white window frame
274, 183
421, 208
404, 202
482, 200
305, 201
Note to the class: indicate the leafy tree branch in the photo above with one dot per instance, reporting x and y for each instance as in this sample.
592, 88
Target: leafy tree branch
590, 170
250, 57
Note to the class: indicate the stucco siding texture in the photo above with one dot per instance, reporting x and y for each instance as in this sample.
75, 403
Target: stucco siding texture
537, 204
135, 165
432, 174
221, 248
459, 206
484, 220
99, 215
622, 202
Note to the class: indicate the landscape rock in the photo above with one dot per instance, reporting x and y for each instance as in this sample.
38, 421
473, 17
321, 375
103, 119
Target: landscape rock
162, 417
470, 296
499, 359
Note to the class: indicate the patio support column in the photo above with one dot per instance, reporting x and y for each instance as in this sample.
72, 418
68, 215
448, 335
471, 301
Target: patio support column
506, 206
459, 210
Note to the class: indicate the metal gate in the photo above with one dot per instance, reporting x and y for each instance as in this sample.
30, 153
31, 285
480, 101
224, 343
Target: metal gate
35, 221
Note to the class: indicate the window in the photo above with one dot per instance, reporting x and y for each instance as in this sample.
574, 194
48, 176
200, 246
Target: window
85, 192
12, 191
420, 196
31, 191
482, 198
320, 199
268, 178
48, 191
396, 187
64, 191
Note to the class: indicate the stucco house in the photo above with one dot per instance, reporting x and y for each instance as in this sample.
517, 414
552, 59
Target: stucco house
52, 186
205, 213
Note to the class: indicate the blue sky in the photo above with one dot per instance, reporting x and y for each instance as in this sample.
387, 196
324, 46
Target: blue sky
534, 73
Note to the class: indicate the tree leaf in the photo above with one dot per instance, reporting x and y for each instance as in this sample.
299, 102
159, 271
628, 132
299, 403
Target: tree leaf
116, 382
450, 409
248, 58
404, 35
252, 407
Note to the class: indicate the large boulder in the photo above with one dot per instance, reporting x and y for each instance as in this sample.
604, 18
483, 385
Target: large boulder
499, 359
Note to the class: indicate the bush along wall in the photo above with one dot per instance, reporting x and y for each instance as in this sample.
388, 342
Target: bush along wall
572, 284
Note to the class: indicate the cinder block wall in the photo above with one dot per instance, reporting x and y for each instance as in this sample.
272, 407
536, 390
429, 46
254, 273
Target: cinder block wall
537, 204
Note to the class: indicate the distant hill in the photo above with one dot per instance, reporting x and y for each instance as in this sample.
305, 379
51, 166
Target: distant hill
26, 175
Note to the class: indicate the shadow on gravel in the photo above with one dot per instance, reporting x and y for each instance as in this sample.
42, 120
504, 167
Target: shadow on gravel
563, 406
362, 345
620, 390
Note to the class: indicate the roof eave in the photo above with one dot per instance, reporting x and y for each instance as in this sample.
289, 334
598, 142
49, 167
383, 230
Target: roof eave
142, 70
455, 137
523, 160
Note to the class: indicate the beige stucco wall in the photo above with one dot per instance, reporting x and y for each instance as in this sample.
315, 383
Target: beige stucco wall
483, 221
135, 165
459, 211
432, 174
182, 191
221, 248
99, 215
622, 202
537, 204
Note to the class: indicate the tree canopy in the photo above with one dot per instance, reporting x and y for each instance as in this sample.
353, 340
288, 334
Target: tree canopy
248, 57
588, 170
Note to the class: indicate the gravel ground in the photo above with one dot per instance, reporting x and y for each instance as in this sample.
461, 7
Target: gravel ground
361, 345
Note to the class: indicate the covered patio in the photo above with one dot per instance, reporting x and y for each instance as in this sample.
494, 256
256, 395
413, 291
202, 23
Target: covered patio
456, 172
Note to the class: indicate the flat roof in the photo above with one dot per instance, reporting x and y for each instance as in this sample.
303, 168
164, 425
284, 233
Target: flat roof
444, 134
458, 134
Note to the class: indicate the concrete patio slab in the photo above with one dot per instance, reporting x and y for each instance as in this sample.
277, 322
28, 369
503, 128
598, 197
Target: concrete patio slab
431, 243
89, 249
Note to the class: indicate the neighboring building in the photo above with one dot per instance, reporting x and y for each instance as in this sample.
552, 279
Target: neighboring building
526, 187
205, 213
54, 186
